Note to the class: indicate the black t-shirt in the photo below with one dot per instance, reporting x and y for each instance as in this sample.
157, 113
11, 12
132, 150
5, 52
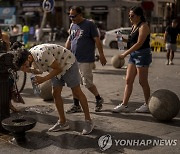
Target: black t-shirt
133, 38
172, 34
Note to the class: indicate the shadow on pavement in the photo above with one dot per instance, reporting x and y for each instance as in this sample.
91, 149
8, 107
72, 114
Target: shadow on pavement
69, 141
132, 115
73, 140
111, 72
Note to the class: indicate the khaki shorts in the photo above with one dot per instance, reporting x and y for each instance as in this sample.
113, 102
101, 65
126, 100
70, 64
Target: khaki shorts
86, 74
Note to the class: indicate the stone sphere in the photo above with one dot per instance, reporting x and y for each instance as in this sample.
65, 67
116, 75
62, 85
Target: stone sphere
164, 105
117, 62
46, 90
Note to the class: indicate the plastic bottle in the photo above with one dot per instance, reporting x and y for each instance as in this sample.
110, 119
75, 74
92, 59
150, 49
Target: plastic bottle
120, 41
36, 87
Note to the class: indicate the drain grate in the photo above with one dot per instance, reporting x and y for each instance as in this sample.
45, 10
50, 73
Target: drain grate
42, 109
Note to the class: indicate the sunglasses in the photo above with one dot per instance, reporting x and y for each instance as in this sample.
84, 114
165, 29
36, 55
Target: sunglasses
131, 16
73, 16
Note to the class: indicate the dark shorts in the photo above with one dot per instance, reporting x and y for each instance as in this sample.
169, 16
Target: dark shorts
141, 58
71, 78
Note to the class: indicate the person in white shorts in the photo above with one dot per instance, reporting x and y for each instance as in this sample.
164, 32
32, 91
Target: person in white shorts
170, 37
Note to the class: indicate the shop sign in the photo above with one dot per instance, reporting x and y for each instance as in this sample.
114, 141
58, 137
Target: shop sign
31, 4
99, 8
7, 12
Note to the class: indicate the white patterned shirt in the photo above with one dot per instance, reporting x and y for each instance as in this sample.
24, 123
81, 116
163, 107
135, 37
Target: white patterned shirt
45, 54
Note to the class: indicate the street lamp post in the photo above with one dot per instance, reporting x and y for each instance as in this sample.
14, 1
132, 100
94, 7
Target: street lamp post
48, 6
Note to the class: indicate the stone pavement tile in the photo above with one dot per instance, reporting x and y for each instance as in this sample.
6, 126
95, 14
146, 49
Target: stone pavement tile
172, 138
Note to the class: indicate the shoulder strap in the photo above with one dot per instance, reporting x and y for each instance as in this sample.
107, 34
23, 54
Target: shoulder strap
136, 28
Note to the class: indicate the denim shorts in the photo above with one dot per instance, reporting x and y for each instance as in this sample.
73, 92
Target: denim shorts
141, 58
71, 78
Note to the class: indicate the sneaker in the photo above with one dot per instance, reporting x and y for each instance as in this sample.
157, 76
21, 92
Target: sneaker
99, 105
89, 125
171, 63
143, 109
74, 109
120, 108
59, 127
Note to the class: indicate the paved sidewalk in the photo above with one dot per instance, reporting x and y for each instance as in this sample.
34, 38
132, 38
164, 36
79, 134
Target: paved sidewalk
121, 128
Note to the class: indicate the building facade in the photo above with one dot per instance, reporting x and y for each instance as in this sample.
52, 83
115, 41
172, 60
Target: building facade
109, 14
163, 13
31, 12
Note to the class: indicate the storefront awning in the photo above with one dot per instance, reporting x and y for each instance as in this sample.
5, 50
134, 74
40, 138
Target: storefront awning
7, 12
